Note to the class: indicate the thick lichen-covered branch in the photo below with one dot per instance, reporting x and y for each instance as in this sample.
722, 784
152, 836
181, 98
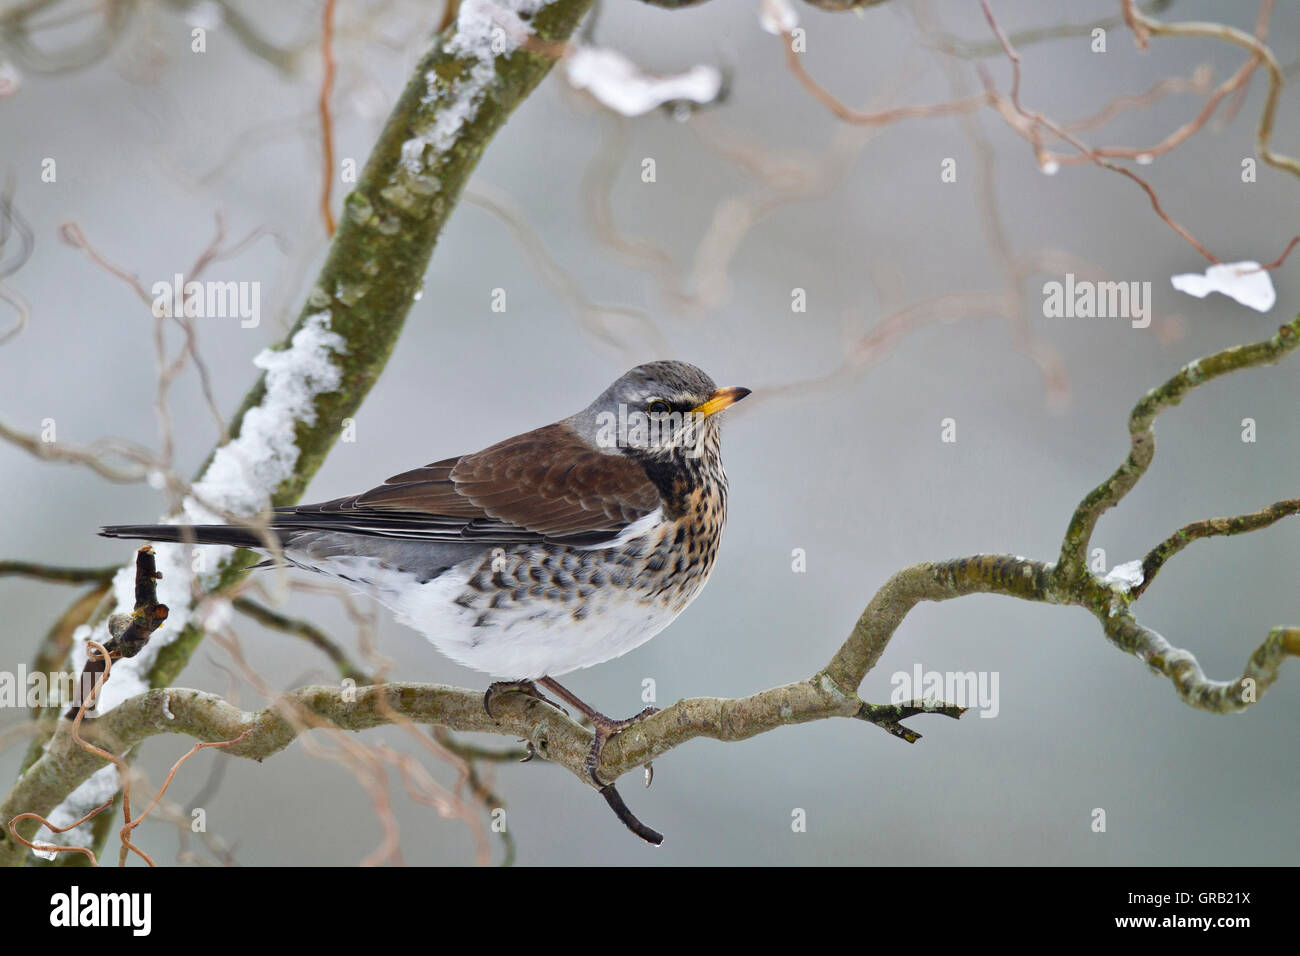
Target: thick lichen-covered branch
459, 95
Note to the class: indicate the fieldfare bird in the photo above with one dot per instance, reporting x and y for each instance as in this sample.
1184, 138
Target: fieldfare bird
554, 550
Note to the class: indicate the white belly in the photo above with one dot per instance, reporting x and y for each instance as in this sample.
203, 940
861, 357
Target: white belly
534, 640
527, 640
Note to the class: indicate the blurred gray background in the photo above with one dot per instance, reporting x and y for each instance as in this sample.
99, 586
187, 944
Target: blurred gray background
151, 140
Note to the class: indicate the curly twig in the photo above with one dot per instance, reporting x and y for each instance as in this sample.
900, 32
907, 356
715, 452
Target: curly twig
1208, 528
1144, 26
1142, 437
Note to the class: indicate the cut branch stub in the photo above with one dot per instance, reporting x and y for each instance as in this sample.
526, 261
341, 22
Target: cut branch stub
129, 633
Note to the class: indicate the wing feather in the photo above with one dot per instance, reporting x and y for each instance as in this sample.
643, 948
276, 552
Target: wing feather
544, 485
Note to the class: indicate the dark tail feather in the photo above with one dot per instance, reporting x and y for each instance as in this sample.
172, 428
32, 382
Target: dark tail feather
231, 535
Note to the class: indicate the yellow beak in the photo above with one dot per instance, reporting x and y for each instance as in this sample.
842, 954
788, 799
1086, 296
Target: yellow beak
720, 399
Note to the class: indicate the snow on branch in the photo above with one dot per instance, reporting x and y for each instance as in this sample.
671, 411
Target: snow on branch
620, 85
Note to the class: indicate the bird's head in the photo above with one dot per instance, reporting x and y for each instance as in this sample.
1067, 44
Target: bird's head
657, 410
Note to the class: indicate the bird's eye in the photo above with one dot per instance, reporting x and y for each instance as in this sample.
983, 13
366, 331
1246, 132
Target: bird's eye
658, 406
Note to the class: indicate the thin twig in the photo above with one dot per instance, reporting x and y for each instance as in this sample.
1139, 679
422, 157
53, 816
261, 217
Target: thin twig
1209, 528
326, 122
50, 572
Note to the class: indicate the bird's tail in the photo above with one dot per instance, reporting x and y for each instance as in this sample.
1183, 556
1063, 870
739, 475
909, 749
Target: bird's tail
231, 535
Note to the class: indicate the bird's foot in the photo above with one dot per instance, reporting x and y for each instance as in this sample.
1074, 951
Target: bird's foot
603, 729
526, 687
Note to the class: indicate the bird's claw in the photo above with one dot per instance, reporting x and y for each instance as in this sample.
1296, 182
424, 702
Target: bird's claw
526, 687
604, 728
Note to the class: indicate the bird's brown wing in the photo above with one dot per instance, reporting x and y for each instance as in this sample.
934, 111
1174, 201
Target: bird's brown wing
546, 484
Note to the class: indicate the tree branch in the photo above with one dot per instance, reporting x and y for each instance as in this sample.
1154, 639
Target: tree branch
1142, 437
459, 95
1208, 528
53, 572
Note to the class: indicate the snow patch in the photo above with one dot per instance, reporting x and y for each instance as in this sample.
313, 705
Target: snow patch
1245, 282
94, 791
1127, 575
484, 31
245, 471
618, 83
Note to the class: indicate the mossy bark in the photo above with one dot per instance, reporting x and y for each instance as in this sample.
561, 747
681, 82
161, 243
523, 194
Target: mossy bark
377, 260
